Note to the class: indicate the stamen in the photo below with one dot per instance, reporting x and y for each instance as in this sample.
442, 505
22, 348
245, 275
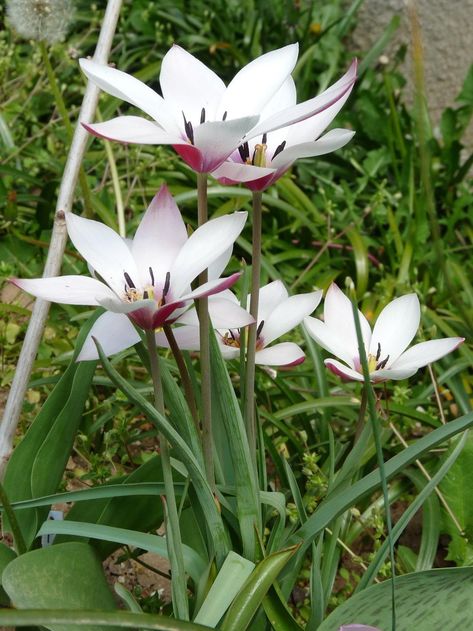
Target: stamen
264, 138
189, 129
260, 328
131, 284
202, 116
151, 275
167, 283
378, 354
232, 334
279, 149
145, 295
224, 117
382, 364
244, 151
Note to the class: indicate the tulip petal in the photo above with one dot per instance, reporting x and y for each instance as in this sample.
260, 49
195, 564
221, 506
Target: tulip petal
270, 296
187, 338
283, 354
331, 141
70, 290
285, 97
329, 340
338, 316
159, 238
188, 85
124, 86
113, 331
210, 288
233, 172
216, 140
257, 82
343, 371
385, 374
395, 328
206, 244
304, 110
104, 249
425, 353
226, 314
216, 268
133, 129
288, 314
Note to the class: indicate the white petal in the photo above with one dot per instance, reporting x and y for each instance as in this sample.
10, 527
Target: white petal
283, 354
134, 91
217, 140
257, 82
328, 339
343, 371
338, 316
308, 108
202, 248
226, 314
385, 374
104, 249
239, 172
395, 328
187, 338
159, 238
285, 97
270, 296
70, 290
288, 314
188, 85
121, 306
426, 352
133, 129
331, 141
217, 267
113, 331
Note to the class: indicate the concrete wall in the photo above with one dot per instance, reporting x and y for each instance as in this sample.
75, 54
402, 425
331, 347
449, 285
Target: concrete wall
447, 32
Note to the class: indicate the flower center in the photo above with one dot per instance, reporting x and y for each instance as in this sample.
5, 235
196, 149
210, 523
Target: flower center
132, 293
232, 338
259, 157
374, 362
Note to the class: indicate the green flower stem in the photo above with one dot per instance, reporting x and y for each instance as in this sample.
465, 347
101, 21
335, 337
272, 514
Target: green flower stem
250, 417
67, 124
369, 393
204, 330
173, 533
184, 373
20, 544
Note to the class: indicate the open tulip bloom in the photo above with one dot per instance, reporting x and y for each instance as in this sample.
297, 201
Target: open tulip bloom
289, 141
204, 120
278, 313
385, 347
145, 280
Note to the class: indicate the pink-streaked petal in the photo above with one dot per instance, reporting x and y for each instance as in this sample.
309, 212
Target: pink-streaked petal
395, 328
425, 353
124, 86
288, 314
113, 331
132, 129
343, 371
159, 238
258, 82
70, 290
270, 296
211, 288
285, 354
328, 339
218, 139
338, 316
308, 108
205, 245
104, 249
234, 172
331, 141
188, 85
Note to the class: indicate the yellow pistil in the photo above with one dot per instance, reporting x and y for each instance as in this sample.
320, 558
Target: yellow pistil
372, 361
259, 157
